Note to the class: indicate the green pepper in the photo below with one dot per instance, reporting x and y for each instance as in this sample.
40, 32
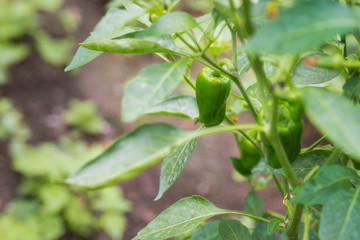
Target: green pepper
250, 155
212, 90
290, 127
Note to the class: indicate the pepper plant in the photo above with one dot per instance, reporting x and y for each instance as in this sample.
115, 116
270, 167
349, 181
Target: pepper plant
304, 56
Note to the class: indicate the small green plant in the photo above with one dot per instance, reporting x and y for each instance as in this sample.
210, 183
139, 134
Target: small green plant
84, 116
44, 209
305, 59
20, 18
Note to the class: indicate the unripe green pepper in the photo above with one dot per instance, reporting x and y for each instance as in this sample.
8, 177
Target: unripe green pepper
212, 90
250, 155
290, 127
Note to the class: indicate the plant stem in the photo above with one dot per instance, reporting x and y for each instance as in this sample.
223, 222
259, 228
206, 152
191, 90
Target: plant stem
332, 158
315, 144
292, 229
188, 81
238, 81
278, 184
275, 215
278, 147
306, 223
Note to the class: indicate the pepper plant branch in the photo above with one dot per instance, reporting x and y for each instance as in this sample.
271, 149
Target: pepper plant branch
243, 134
278, 185
332, 158
315, 144
292, 229
188, 81
238, 82
278, 147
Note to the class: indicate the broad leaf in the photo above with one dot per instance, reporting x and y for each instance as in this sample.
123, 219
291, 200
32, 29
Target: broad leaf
272, 226
182, 216
150, 87
129, 155
243, 64
179, 106
111, 25
168, 24
209, 231
230, 229
341, 216
305, 74
135, 42
301, 166
327, 182
352, 89
336, 117
254, 204
132, 7
293, 32
260, 232
173, 165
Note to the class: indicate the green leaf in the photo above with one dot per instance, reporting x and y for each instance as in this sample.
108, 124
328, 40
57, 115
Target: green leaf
334, 116
129, 155
272, 226
135, 42
243, 64
293, 32
179, 106
207, 232
230, 229
301, 166
306, 161
327, 182
254, 204
341, 216
260, 232
110, 26
182, 216
150, 87
352, 89
173, 165
305, 74
174, 22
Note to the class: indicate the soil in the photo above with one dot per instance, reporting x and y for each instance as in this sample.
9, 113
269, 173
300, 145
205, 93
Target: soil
41, 92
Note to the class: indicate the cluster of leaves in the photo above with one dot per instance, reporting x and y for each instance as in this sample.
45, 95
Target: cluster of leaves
296, 58
19, 19
44, 209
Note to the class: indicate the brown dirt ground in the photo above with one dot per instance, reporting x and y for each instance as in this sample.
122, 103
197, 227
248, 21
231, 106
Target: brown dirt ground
41, 92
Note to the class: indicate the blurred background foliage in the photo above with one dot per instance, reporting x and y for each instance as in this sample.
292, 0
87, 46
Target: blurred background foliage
43, 208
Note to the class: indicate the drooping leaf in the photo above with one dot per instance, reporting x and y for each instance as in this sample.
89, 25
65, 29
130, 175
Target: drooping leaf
182, 216
231, 229
129, 155
179, 106
173, 22
305, 74
254, 204
111, 25
335, 116
150, 87
173, 165
327, 182
135, 42
341, 216
209, 231
293, 32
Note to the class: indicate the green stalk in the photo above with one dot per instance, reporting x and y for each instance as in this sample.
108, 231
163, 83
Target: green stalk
278, 184
278, 147
292, 229
332, 158
315, 144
